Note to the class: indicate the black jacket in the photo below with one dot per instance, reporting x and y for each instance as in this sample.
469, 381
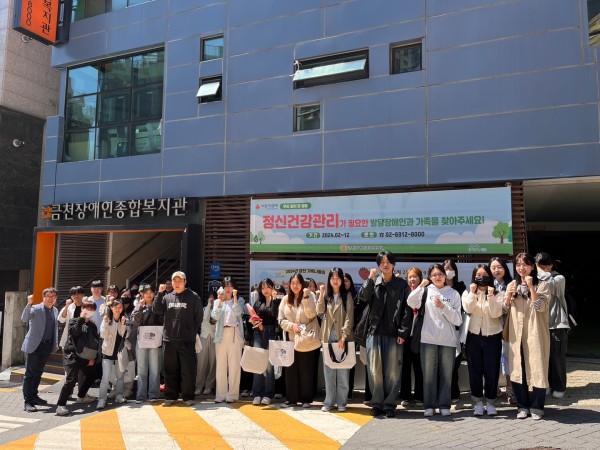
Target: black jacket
78, 328
392, 296
182, 313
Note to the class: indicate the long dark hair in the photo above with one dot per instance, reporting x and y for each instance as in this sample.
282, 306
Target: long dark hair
507, 278
264, 282
352, 289
343, 291
439, 267
527, 259
291, 296
109, 312
487, 271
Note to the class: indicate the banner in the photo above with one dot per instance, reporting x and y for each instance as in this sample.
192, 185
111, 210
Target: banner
454, 222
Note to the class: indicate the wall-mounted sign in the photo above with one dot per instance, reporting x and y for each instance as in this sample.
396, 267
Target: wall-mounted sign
46, 21
215, 270
454, 222
117, 209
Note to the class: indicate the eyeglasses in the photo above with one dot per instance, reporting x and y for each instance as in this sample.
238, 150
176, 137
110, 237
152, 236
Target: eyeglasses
437, 275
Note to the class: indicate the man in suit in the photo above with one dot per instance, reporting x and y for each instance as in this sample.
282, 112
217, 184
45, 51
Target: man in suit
40, 341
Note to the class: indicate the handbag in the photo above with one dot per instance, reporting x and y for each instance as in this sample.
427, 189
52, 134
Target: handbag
281, 353
150, 336
309, 338
415, 342
361, 330
255, 359
506, 327
336, 358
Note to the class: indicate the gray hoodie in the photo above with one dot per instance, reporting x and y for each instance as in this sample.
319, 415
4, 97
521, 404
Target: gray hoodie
558, 317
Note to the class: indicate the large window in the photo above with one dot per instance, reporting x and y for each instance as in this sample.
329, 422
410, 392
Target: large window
406, 58
114, 108
82, 9
331, 69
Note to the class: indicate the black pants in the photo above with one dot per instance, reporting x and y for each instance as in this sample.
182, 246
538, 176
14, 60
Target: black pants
557, 370
411, 362
34, 368
483, 356
180, 370
533, 402
455, 389
299, 377
73, 374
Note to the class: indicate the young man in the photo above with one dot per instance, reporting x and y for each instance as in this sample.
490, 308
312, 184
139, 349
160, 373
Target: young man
390, 322
71, 309
98, 299
183, 313
40, 341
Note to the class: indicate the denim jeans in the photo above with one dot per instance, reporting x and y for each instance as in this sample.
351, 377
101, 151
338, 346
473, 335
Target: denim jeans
336, 381
107, 365
384, 360
148, 369
437, 359
263, 385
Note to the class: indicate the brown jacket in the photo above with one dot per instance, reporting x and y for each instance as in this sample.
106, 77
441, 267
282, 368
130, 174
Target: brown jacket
529, 328
334, 315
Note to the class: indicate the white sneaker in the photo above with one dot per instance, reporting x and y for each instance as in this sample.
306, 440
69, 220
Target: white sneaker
306, 405
478, 409
428, 412
168, 402
404, 403
120, 399
256, 401
246, 393
62, 411
341, 409
190, 402
445, 412
558, 394
101, 404
326, 408
139, 401
86, 399
490, 409
265, 401
522, 415
535, 416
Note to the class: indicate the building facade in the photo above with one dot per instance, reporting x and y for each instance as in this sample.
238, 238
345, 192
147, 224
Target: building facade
206, 101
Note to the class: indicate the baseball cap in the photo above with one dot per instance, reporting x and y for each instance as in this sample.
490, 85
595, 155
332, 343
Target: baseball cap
179, 274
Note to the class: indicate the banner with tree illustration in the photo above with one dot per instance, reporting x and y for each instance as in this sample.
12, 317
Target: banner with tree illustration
466, 221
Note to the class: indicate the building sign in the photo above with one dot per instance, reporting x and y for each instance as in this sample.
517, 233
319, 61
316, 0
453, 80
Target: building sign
41, 20
454, 222
117, 209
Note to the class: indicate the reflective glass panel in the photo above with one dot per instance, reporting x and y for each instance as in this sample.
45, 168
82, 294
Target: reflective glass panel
146, 138
79, 146
113, 142
148, 68
147, 103
81, 112
115, 74
114, 108
83, 80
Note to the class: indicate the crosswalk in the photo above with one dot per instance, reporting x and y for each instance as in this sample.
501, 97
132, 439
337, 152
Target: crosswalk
205, 425
8, 423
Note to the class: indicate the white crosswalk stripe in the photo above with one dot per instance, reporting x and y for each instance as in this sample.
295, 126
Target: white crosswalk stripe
8, 423
64, 437
140, 425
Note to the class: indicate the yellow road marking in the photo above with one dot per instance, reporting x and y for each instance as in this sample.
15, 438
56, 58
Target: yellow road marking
102, 431
25, 443
359, 416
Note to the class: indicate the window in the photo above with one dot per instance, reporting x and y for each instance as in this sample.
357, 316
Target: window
307, 117
593, 8
331, 69
406, 58
82, 9
210, 90
114, 108
212, 48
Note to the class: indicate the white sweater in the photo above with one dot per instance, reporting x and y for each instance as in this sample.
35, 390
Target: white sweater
439, 325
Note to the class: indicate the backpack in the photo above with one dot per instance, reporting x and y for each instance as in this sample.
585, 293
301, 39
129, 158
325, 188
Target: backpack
87, 344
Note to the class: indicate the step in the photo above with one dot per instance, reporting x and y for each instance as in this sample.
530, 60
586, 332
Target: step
17, 375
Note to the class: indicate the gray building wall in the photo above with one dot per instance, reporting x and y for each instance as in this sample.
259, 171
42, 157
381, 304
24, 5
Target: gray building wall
509, 91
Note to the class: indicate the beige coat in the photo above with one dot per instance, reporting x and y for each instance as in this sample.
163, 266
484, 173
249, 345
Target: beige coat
485, 311
334, 315
529, 328
288, 313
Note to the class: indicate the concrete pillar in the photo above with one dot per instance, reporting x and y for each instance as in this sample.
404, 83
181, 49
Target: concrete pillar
14, 329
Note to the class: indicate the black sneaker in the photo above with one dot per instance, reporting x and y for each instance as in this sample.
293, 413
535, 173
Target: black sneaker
39, 401
390, 413
375, 411
29, 407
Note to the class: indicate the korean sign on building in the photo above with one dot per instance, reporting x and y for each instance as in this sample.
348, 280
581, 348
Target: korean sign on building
38, 19
117, 209
456, 221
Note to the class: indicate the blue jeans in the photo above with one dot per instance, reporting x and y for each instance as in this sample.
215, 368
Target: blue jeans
384, 361
107, 365
148, 369
263, 385
437, 359
336, 386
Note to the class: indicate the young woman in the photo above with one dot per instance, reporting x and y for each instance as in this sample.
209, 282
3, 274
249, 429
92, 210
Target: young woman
460, 287
559, 324
297, 309
502, 277
527, 300
148, 359
337, 308
229, 341
484, 339
207, 361
438, 337
80, 330
411, 361
112, 330
267, 308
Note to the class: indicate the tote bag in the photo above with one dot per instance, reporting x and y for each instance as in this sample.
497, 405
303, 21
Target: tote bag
150, 336
337, 358
281, 353
255, 360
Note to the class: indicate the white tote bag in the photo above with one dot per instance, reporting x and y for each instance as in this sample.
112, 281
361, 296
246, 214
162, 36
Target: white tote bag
150, 336
337, 358
254, 359
281, 353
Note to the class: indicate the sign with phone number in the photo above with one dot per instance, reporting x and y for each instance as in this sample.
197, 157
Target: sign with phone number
456, 221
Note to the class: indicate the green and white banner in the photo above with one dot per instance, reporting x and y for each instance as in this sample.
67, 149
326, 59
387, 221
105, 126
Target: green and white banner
454, 222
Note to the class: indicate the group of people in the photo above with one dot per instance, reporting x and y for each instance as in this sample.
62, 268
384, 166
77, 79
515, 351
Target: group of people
417, 326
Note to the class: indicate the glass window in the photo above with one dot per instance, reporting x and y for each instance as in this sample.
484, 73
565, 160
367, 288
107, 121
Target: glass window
210, 90
82, 9
212, 48
593, 8
114, 108
331, 69
307, 117
406, 58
